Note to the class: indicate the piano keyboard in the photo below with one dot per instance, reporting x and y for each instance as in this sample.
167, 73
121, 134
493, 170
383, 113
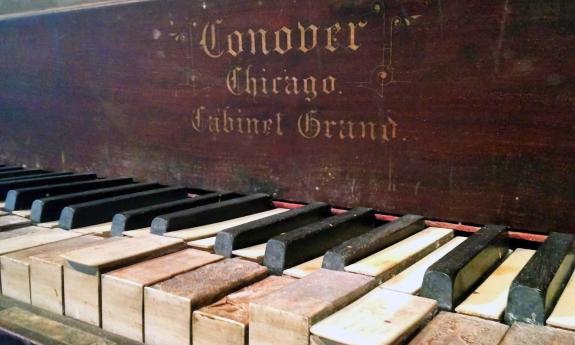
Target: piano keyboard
169, 265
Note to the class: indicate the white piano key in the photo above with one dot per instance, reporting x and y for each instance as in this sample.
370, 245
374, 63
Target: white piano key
103, 230
206, 244
490, 298
210, 230
137, 232
304, 269
49, 225
410, 280
563, 315
22, 213
380, 317
12, 221
254, 253
393, 259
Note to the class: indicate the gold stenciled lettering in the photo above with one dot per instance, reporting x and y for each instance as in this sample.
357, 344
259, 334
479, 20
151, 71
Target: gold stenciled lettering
282, 41
352, 33
303, 47
240, 81
310, 126
210, 39
286, 37
331, 37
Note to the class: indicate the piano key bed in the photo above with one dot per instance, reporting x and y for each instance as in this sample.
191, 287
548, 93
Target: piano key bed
90, 260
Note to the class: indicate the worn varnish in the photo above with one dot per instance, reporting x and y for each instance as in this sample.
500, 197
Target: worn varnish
169, 305
123, 289
15, 267
525, 334
448, 328
227, 320
286, 315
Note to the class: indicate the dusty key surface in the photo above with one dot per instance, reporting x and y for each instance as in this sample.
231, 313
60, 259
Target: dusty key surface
15, 267
525, 334
563, 315
210, 230
47, 274
13, 221
19, 232
410, 280
227, 320
84, 267
184, 293
305, 269
380, 317
123, 289
388, 262
449, 328
489, 300
286, 315
102, 230
43, 330
206, 244
34, 239
255, 253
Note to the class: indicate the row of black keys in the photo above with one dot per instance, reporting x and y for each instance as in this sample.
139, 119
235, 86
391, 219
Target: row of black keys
293, 237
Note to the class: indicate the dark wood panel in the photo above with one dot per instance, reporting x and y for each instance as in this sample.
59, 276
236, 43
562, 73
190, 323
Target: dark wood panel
476, 98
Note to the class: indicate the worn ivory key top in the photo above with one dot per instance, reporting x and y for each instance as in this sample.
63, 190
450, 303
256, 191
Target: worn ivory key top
123, 289
380, 317
47, 275
490, 298
388, 262
304, 269
15, 270
227, 320
450, 329
564, 313
85, 266
410, 280
286, 315
169, 305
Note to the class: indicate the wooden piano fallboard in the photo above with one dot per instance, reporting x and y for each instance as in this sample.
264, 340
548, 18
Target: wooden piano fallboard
454, 111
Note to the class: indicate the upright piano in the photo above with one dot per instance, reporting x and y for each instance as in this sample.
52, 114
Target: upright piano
287, 172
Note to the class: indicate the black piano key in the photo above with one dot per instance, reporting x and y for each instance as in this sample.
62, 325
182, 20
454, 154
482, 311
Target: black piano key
311, 241
213, 213
142, 217
450, 278
22, 198
373, 241
17, 173
43, 181
35, 176
10, 168
536, 289
103, 210
261, 230
48, 209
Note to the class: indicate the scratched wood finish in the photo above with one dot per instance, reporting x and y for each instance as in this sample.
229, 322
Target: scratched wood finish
472, 107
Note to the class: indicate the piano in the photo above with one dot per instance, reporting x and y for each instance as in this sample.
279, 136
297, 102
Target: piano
287, 172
